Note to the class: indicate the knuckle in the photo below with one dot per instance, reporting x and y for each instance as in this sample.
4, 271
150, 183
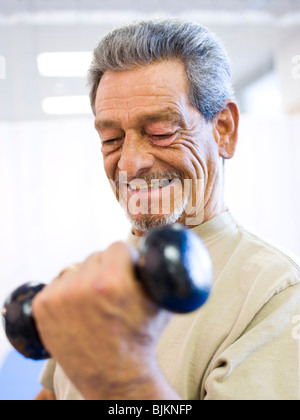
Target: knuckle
39, 304
69, 270
118, 247
121, 254
93, 258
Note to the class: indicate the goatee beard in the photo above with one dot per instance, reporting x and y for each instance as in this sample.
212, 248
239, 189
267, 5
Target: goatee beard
146, 223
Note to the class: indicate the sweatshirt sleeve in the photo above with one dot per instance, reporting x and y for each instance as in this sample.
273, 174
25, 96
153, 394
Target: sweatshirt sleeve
264, 362
47, 376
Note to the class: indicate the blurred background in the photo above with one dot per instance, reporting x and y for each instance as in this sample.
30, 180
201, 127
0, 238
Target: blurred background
56, 206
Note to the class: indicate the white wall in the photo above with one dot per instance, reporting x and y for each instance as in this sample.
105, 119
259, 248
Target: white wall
287, 60
262, 181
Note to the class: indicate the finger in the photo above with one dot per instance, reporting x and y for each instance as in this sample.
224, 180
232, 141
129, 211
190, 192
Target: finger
66, 272
119, 260
106, 268
128, 254
72, 268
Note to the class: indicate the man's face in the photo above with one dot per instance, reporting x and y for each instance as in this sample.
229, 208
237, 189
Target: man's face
159, 152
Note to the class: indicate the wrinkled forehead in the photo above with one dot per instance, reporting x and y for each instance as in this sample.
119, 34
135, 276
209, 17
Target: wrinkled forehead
143, 95
159, 81
168, 116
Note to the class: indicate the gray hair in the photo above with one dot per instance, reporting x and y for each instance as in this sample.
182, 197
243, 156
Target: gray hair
208, 69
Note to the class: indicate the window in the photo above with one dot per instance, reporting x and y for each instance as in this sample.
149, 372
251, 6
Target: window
66, 105
64, 64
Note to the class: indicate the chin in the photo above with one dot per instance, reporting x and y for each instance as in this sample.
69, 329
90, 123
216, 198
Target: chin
145, 222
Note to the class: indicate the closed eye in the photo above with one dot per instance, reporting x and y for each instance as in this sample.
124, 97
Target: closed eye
162, 136
111, 141
162, 140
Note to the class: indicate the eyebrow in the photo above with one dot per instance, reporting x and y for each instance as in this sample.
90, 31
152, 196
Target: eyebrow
162, 115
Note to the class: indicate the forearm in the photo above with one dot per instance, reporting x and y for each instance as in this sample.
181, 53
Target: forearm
148, 386
45, 395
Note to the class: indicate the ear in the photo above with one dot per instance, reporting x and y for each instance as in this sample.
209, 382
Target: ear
225, 129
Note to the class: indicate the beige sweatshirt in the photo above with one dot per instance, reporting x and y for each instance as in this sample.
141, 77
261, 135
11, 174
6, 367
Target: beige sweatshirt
244, 344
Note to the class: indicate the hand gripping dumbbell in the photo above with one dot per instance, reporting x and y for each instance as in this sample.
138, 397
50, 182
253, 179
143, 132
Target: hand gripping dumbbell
174, 269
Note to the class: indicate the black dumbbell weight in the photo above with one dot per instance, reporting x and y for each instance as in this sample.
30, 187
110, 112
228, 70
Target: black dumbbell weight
19, 323
174, 268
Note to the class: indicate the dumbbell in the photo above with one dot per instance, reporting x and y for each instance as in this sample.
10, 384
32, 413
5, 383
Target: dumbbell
174, 269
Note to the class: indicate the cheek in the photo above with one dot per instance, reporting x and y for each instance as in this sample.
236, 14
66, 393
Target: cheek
191, 158
110, 166
204, 152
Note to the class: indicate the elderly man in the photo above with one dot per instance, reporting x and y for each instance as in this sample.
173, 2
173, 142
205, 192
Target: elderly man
162, 98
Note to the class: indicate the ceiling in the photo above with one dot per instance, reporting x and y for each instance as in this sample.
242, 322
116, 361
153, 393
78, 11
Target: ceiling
274, 7
252, 31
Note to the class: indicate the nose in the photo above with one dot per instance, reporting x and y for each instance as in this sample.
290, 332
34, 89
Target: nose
135, 156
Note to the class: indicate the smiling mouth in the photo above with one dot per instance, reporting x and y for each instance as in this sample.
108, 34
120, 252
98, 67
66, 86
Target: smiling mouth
153, 185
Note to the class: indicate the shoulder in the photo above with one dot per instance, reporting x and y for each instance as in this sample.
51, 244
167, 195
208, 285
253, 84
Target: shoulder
255, 271
277, 265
